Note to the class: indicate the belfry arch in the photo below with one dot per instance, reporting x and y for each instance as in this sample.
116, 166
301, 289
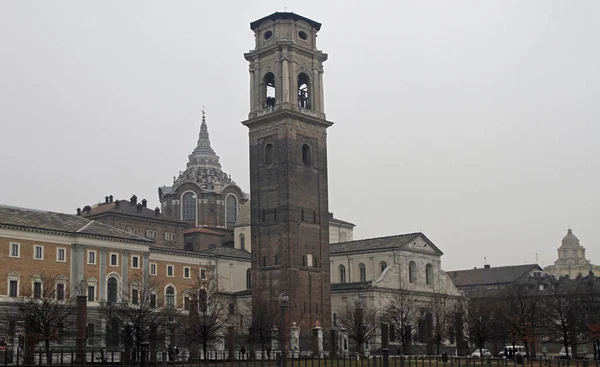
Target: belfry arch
269, 90
304, 91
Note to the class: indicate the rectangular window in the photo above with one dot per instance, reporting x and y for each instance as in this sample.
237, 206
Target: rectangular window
38, 252
114, 259
169, 270
152, 269
91, 293
231, 308
14, 287
37, 290
91, 330
186, 303
131, 230
61, 254
153, 300
91, 257
203, 274
135, 262
12, 325
15, 250
151, 234
134, 296
169, 236
186, 272
60, 291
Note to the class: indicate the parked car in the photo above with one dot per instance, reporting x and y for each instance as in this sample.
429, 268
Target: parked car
518, 350
481, 353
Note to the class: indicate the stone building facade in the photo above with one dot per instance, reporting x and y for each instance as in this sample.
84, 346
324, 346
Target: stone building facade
136, 218
203, 195
288, 169
571, 260
377, 269
109, 262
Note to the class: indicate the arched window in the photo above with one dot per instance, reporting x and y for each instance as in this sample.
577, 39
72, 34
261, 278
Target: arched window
231, 203
242, 241
342, 274
269, 90
363, 272
412, 272
383, 266
303, 91
170, 297
248, 279
188, 206
112, 290
306, 155
269, 153
429, 274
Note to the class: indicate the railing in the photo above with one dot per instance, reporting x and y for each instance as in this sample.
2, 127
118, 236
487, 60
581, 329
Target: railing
64, 357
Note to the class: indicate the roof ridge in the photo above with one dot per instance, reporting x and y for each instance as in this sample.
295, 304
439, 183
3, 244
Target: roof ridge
379, 238
84, 227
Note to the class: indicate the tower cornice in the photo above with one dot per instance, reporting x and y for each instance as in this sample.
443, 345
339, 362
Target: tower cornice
272, 114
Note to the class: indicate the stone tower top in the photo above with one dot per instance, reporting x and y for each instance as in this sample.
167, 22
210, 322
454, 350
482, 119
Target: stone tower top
285, 27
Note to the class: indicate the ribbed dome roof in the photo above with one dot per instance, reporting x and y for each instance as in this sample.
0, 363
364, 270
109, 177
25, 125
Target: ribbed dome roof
570, 240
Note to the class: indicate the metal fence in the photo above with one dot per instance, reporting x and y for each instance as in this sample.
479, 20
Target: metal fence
217, 358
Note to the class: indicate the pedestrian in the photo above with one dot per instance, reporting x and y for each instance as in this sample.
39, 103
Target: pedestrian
170, 351
243, 351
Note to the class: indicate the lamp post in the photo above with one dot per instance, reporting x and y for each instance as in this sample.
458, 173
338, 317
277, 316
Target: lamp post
284, 302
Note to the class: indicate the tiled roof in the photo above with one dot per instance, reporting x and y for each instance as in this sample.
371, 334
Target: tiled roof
227, 252
203, 230
491, 275
60, 222
371, 244
332, 219
127, 208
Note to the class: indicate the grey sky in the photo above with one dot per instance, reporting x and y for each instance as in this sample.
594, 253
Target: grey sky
475, 122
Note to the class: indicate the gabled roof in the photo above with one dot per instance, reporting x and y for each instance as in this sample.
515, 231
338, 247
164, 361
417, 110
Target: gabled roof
378, 244
39, 220
491, 275
202, 230
227, 252
127, 208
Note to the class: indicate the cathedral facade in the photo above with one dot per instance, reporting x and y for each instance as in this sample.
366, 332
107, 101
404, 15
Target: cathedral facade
571, 260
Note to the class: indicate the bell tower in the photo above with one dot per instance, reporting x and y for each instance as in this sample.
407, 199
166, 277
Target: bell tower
288, 171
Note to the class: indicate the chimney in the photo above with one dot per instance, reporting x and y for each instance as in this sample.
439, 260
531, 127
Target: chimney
144, 203
133, 200
117, 204
330, 215
157, 211
110, 198
79, 211
139, 208
106, 199
486, 266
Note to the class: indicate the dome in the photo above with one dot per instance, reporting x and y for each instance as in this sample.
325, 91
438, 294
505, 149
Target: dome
570, 240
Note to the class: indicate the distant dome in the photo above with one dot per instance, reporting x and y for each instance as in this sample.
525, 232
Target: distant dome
570, 240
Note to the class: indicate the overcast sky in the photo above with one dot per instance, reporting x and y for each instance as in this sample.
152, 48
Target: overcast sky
475, 122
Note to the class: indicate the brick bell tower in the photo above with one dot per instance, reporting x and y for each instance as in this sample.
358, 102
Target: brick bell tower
288, 171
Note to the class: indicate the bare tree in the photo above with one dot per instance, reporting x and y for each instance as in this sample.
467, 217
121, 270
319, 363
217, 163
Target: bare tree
440, 308
591, 306
401, 313
480, 320
209, 314
137, 313
521, 313
562, 312
360, 322
265, 317
46, 310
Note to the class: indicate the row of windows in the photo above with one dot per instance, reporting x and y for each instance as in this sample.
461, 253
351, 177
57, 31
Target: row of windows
268, 87
269, 154
152, 234
38, 252
37, 289
412, 272
189, 207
